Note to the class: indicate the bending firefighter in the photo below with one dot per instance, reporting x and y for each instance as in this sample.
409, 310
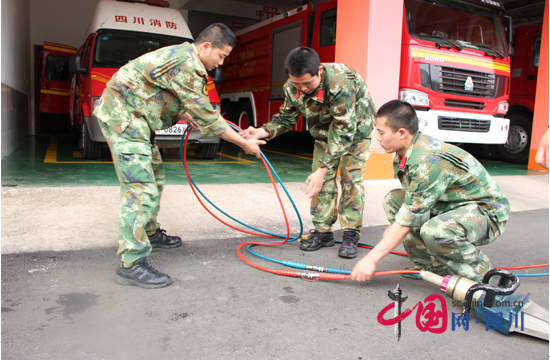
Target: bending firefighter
448, 204
152, 93
339, 111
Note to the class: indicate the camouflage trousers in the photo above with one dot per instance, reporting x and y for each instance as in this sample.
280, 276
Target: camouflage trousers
140, 170
449, 240
323, 209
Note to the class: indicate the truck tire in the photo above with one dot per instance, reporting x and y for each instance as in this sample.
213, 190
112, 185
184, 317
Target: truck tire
91, 150
206, 151
517, 147
245, 117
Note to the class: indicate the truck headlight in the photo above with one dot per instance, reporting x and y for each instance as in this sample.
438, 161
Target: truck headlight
503, 107
414, 97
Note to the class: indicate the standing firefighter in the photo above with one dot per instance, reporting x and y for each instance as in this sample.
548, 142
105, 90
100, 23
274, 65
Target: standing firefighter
152, 93
337, 106
448, 204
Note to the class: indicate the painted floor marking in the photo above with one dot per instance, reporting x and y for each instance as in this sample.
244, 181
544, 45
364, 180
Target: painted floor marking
281, 153
51, 158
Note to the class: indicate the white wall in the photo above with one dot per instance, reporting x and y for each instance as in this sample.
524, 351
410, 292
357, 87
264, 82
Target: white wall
15, 45
15, 75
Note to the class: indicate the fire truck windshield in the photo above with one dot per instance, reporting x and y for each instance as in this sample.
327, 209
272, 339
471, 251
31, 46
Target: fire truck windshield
115, 48
456, 23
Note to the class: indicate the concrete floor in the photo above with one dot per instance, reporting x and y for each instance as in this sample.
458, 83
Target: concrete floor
59, 239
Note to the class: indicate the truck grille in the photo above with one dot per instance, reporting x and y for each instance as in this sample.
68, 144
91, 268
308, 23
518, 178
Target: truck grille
458, 124
453, 81
464, 104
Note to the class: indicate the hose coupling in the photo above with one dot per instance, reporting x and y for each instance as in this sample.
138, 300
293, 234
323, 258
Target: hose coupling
309, 275
316, 268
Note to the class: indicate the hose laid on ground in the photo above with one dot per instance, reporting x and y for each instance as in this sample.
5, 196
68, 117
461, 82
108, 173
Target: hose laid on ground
317, 272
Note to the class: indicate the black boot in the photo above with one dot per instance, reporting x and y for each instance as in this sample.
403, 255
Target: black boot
141, 274
349, 245
316, 240
159, 240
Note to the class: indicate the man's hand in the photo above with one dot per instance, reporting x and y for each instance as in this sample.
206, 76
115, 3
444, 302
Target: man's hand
252, 147
314, 182
254, 134
189, 120
363, 270
393, 236
542, 152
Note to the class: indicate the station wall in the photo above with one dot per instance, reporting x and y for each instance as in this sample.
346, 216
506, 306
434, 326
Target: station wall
15, 73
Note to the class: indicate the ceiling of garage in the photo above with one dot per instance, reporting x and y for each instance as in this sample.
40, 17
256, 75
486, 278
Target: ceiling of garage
283, 4
523, 12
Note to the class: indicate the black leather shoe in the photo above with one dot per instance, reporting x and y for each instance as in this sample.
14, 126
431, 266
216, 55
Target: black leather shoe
316, 240
349, 245
159, 240
141, 274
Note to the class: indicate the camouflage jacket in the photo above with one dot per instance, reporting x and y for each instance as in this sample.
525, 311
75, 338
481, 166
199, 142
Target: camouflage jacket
159, 87
339, 113
437, 177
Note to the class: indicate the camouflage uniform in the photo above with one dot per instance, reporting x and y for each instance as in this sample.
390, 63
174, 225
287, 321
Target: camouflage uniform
452, 205
150, 93
340, 116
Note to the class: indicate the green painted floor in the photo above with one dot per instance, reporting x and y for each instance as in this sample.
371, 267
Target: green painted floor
32, 165
51, 161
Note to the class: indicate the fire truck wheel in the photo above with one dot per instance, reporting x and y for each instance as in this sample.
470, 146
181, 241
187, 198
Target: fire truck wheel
91, 150
517, 146
229, 111
245, 117
206, 151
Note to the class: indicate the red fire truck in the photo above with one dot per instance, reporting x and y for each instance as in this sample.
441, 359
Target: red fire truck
525, 65
119, 32
455, 67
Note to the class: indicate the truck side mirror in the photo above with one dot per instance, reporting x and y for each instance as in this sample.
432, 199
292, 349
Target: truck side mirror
216, 75
74, 65
508, 30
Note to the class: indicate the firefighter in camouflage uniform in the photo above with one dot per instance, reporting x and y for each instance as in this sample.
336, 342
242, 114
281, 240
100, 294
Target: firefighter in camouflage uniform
448, 204
153, 92
339, 111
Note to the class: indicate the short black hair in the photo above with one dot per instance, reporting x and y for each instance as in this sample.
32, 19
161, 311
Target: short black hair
218, 35
302, 60
399, 114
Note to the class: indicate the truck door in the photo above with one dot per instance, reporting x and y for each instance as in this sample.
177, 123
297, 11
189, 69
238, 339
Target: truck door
324, 32
285, 39
532, 67
75, 92
55, 84
82, 84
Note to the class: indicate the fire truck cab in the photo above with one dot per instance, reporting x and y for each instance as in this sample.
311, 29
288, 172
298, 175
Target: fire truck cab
120, 32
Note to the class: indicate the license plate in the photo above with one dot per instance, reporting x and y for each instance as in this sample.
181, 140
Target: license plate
177, 129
